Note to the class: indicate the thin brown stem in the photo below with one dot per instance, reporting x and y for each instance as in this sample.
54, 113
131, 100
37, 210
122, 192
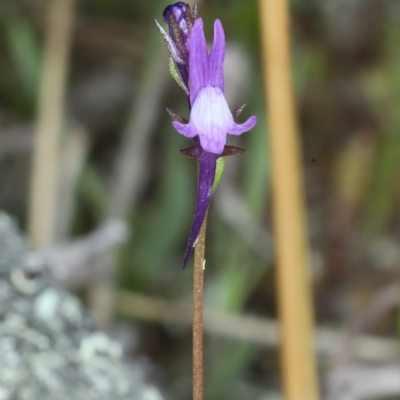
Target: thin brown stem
198, 286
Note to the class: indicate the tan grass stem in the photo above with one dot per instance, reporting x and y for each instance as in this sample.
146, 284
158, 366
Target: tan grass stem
50, 123
292, 253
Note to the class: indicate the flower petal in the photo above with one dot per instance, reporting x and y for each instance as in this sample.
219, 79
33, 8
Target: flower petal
207, 168
187, 130
238, 129
216, 58
211, 118
198, 60
213, 144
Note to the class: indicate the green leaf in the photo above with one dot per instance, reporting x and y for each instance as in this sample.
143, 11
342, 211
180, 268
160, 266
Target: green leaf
218, 172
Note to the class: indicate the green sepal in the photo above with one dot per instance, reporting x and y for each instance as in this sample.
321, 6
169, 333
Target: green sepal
176, 75
219, 170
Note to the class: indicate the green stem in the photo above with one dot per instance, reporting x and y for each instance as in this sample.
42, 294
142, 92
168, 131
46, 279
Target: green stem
198, 290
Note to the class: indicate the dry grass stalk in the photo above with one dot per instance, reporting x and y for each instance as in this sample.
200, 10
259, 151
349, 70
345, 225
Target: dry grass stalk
298, 361
50, 123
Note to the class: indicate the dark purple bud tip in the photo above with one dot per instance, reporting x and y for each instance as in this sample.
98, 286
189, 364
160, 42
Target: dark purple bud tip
176, 16
178, 9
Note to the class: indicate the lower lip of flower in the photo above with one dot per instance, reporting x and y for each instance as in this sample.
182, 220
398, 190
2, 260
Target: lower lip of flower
211, 118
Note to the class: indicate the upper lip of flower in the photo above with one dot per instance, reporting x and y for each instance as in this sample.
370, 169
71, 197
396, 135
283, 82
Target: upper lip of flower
210, 117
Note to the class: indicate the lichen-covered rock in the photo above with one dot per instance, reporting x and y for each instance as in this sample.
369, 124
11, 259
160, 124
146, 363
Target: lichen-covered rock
48, 347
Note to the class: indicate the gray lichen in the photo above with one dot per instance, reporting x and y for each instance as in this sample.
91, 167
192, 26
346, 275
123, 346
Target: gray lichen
48, 347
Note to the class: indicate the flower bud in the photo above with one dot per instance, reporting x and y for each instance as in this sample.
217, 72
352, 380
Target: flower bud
180, 22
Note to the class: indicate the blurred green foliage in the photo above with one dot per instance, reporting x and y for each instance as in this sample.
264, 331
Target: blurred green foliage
381, 83
20, 61
24, 49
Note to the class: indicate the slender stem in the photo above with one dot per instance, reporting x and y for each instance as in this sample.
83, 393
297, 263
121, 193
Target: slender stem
198, 286
294, 290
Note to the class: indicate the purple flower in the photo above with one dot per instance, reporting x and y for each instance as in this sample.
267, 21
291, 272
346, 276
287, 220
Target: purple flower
210, 117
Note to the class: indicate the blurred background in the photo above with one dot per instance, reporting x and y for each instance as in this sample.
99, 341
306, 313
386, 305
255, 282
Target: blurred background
125, 196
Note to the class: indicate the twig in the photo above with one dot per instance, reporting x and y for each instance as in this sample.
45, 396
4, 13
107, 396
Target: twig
260, 331
198, 292
43, 202
292, 253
